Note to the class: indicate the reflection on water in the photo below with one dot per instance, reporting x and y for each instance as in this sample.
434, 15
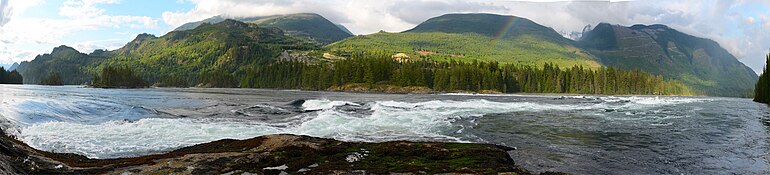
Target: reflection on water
575, 134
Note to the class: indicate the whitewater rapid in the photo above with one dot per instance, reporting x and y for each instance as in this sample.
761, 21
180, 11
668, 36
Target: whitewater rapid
99, 128
570, 133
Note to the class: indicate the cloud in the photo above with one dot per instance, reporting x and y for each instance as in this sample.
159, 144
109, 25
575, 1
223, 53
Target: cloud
23, 35
361, 16
107, 44
5, 12
417, 12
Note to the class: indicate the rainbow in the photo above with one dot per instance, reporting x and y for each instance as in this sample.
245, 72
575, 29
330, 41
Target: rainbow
508, 26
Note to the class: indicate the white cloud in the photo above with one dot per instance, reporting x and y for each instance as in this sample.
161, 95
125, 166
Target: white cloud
361, 16
22, 35
107, 44
5, 12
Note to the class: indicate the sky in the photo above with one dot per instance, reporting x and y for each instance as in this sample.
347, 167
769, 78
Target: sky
32, 27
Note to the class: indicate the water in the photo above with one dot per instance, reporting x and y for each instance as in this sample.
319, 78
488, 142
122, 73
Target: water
574, 134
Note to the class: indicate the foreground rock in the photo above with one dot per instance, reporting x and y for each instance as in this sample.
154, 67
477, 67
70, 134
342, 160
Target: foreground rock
274, 154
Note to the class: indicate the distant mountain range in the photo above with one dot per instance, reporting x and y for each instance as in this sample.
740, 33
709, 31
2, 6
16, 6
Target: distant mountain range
236, 45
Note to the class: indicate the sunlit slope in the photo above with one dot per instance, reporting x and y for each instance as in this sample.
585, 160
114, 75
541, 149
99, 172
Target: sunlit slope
483, 37
698, 62
228, 46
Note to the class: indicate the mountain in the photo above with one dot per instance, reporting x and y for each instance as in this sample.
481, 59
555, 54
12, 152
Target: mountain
484, 37
310, 26
228, 46
9, 67
13, 67
698, 62
498, 26
344, 29
63, 60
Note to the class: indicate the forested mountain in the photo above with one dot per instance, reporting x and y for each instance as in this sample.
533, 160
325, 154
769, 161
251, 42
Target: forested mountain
484, 37
657, 49
492, 25
63, 60
224, 46
232, 53
309, 26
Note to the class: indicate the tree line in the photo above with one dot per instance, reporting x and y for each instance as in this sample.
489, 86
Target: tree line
452, 76
53, 79
118, 77
10, 77
762, 89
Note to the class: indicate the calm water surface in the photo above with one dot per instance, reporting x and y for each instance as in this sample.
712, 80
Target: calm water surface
574, 134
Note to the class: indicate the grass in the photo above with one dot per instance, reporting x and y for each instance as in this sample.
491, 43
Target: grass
524, 49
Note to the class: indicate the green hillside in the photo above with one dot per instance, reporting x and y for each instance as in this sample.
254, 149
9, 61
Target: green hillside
467, 37
698, 62
491, 25
308, 26
63, 60
231, 53
228, 46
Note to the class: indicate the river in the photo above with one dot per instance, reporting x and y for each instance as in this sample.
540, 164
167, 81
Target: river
573, 134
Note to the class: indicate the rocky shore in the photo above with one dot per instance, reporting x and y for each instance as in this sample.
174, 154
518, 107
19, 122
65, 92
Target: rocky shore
274, 154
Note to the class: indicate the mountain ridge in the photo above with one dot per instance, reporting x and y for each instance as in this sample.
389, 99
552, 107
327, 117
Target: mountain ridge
311, 26
226, 46
658, 49
476, 36
233, 45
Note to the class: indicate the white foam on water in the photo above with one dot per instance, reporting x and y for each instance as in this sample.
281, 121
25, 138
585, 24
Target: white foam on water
324, 104
120, 139
385, 121
388, 120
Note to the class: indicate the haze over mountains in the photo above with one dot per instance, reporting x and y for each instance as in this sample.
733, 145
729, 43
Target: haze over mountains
233, 46
10, 66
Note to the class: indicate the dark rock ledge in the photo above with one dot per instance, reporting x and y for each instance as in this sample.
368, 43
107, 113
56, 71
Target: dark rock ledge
274, 154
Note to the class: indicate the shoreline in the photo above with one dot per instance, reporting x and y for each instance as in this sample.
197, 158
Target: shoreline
275, 154
405, 90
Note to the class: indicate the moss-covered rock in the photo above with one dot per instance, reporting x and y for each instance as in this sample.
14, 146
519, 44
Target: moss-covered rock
275, 154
